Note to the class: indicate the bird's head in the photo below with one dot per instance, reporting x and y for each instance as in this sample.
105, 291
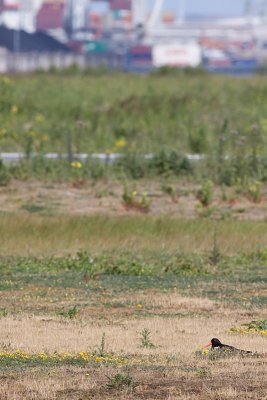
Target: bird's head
214, 343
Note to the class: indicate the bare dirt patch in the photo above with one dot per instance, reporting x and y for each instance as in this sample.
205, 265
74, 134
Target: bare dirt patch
106, 198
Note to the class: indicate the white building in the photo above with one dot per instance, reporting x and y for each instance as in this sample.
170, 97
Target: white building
19, 14
76, 12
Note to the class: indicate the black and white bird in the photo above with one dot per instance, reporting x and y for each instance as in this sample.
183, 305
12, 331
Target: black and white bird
216, 344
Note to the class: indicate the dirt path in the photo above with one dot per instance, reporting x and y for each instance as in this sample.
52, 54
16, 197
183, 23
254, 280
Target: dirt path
106, 198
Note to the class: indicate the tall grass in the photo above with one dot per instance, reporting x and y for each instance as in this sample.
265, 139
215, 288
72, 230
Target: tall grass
90, 112
61, 235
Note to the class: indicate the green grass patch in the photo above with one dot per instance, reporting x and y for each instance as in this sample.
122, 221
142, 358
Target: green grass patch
231, 279
168, 115
128, 254
44, 112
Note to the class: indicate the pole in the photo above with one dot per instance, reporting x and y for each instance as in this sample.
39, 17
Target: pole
16, 33
181, 15
153, 20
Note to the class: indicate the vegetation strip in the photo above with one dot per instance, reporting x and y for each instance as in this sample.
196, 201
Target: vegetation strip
168, 115
253, 327
83, 357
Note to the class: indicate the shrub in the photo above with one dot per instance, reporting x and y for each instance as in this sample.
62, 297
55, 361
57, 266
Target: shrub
215, 254
132, 199
205, 193
101, 350
4, 174
254, 191
146, 339
121, 382
71, 313
171, 191
133, 166
170, 162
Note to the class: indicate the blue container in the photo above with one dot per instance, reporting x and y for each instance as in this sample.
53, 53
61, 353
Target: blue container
139, 58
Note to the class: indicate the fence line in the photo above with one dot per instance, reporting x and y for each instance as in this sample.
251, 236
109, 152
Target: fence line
35, 61
107, 158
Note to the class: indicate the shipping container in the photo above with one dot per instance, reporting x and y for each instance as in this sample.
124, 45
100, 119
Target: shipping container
218, 61
176, 55
120, 5
139, 58
244, 63
215, 58
95, 47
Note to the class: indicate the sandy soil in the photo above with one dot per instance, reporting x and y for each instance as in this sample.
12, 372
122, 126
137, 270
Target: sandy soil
106, 198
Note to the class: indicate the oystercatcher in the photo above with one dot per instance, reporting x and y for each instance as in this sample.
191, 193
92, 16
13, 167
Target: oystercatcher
216, 344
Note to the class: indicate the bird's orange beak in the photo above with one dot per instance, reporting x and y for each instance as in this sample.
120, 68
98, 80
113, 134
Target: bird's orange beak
207, 345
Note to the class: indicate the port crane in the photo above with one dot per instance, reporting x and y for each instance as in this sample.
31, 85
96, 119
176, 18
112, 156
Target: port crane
142, 14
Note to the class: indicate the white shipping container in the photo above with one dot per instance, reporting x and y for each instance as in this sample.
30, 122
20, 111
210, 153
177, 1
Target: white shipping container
176, 55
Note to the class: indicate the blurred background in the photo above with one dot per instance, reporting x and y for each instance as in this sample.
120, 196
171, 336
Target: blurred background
136, 35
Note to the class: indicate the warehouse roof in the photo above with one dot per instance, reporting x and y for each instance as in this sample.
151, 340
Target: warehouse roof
29, 42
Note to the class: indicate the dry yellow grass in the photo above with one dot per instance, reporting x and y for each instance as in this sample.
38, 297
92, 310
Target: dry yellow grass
189, 378
173, 373
172, 335
178, 324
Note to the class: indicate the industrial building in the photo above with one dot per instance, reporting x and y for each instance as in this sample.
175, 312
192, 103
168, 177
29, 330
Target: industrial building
141, 36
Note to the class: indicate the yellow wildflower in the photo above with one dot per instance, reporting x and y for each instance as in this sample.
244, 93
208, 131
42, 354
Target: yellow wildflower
76, 164
83, 355
45, 138
120, 143
39, 118
14, 109
2, 132
6, 80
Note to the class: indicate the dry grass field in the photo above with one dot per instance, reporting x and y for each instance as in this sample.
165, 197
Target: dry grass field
243, 379
170, 370
126, 319
34, 213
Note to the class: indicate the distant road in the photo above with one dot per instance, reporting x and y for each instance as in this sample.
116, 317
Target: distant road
108, 158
